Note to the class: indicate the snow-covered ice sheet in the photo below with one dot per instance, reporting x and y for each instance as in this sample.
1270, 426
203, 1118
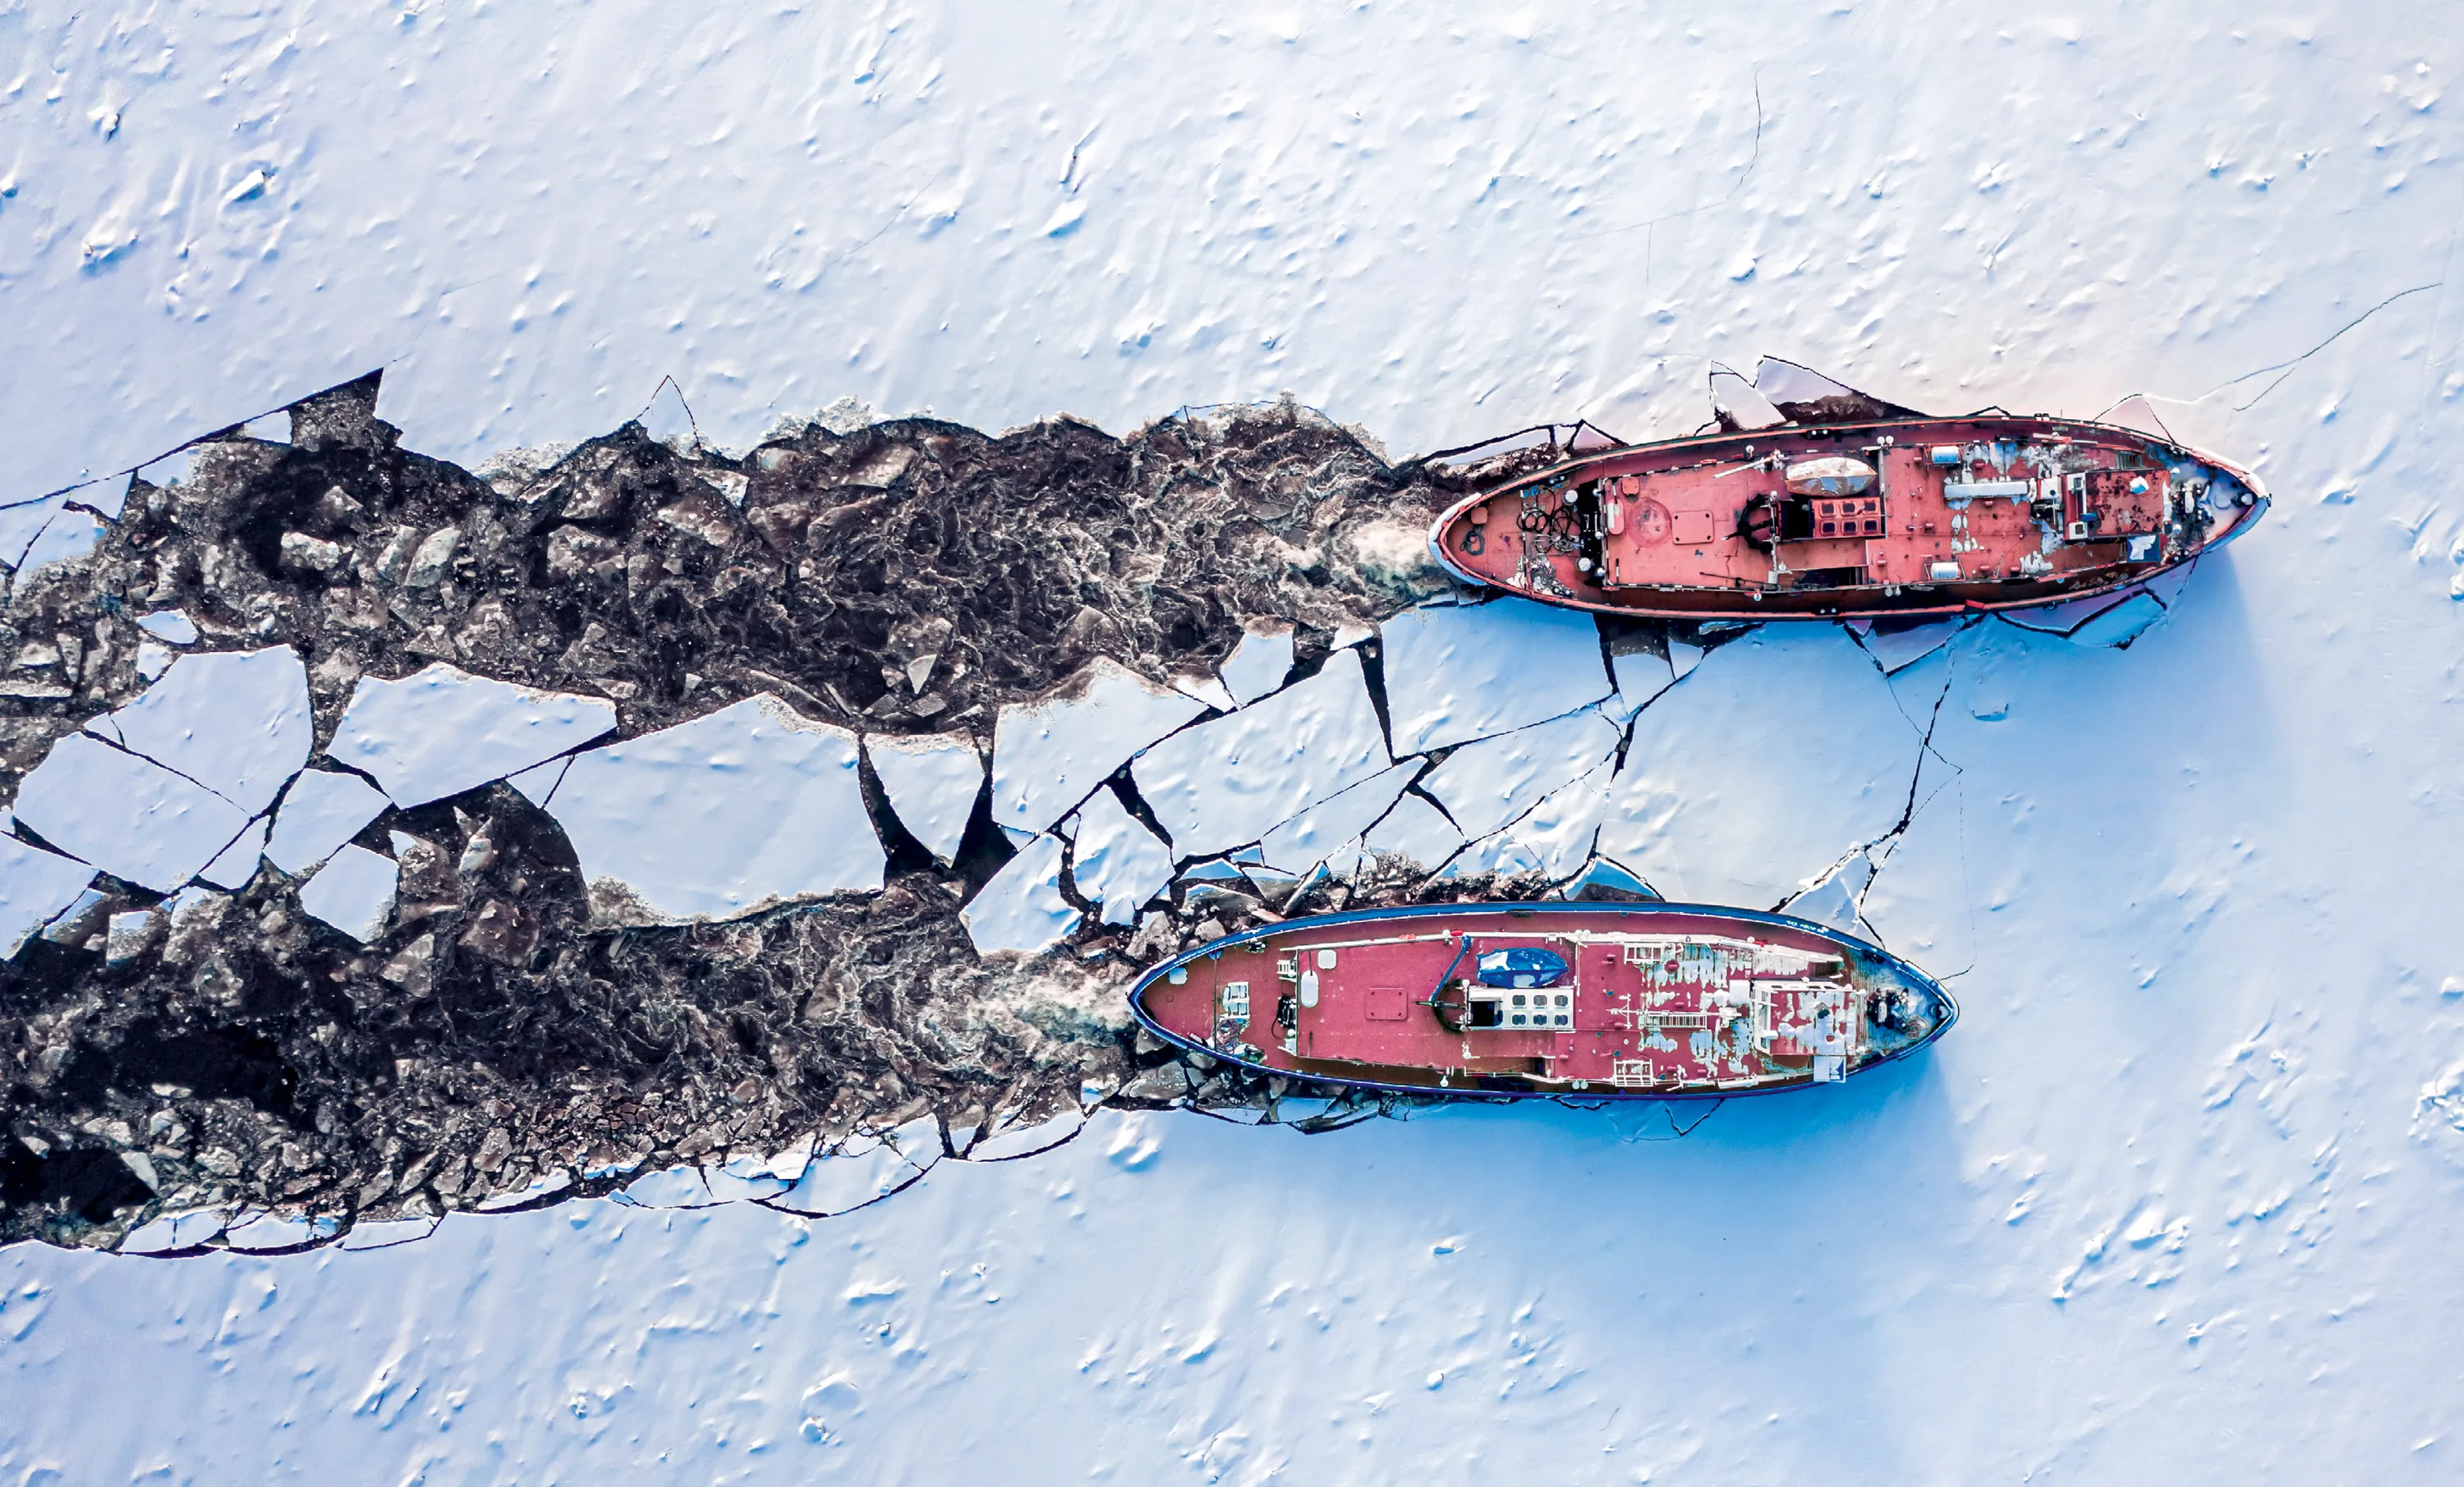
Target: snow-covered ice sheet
1415, 831
1023, 909
1049, 753
126, 814
931, 780
441, 731
1486, 784
353, 892
1455, 672
1260, 661
1231, 780
235, 722
1319, 833
323, 809
735, 811
35, 884
1786, 749
1115, 863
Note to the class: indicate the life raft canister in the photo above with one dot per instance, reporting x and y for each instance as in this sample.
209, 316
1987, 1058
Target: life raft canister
1521, 967
1833, 474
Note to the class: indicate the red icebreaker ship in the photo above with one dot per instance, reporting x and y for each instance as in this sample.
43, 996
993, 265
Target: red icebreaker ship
1655, 1000
1814, 500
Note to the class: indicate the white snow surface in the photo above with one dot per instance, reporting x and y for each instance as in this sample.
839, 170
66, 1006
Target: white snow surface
235, 722
1321, 832
1785, 750
1022, 909
1260, 661
2174, 1201
1115, 863
1048, 754
441, 731
743, 808
323, 809
931, 780
1455, 672
1486, 785
126, 814
353, 892
1417, 831
1230, 781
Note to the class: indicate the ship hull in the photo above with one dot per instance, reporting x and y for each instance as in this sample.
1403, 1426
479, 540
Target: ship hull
2034, 512
1657, 1001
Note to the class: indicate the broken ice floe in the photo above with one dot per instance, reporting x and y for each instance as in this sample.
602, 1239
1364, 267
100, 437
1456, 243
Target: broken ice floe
170, 624
1414, 831
34, 887
1009, 1141
1231, 780
537, 783
353, 892
1117, 864
747, 807
235, 722
1022, 907
1260, 662
128, 816
1639, 676
1897, 647
323, 809
931, 781
1051, 753
1457, 672
2120, 624
1319, 834
1486, 785
865, 1169
170, 1232
236, 864
1834, 897
441, 731
1734, 793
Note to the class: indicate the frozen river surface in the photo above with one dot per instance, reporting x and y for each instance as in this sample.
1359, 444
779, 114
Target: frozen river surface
2174, 1202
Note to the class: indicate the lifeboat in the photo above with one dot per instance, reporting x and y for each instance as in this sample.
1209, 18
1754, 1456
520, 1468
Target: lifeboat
1650, 1000
1807, 499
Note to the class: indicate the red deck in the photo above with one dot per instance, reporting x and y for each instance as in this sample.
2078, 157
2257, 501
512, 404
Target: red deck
1665, 1001
2013, 512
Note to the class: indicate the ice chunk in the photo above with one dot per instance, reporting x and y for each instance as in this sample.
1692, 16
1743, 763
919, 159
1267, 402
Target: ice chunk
128, 816
167, 1233
236, 864
1559, 831
678, 1187
1011, 1140
1208, 688
1231, 780
152, 660
323, 810
1455, 672
1721, 801
34, 887
1605, 875
1895, 646
271, 1232
1739, 406
442, 730
1498, 853
1415, 831
1806, 396
236, 722
1021, 909
850, 1179
1260, 662
353, 892
1486, 784
385, 1233
1832, 897
1684, 656
931, 780
171, 625
1321, 832
22, 523
69, 534
1119, 865
1640, 676
2122, 624
747, 807
1051, 753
